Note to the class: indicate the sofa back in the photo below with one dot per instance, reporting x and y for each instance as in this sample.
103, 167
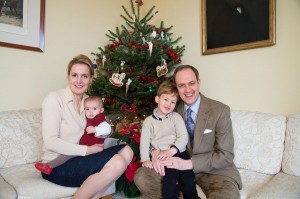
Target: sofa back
258, 141
20, 137
291, 156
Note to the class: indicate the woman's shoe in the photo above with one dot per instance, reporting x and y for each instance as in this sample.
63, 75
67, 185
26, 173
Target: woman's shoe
43, 167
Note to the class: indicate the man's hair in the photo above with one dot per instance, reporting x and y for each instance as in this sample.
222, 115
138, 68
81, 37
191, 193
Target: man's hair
95, 99
167, 87
182, 67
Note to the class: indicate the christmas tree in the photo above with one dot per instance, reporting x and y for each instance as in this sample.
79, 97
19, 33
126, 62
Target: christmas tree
137, 59
129, 69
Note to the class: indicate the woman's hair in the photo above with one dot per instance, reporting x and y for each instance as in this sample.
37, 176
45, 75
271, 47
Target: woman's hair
182, 67
81, 59
167, 87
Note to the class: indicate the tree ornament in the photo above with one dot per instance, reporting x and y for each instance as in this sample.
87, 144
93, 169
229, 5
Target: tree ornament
139, 3
162, 35
150, 44
153, 34
127, 84
168, 42
103, 60
163, 69
122, 65
116, 79
150, 90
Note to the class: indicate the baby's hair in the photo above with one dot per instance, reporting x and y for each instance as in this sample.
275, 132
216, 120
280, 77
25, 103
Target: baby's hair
167, 87
94, 98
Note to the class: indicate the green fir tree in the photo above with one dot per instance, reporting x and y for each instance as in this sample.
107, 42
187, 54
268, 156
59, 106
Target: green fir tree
137, 59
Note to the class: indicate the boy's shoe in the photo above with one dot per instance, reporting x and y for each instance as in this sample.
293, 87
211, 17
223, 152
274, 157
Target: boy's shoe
43, 167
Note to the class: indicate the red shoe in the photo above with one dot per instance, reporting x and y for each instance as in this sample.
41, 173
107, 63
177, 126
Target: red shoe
43, 167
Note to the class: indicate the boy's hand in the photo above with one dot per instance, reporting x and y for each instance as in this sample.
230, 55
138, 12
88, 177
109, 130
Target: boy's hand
147, 164
164, 155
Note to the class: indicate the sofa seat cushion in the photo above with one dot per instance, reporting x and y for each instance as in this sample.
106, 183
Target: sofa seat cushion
281, 186
7, 191
258, 141
252, 181
29, 184
291, 156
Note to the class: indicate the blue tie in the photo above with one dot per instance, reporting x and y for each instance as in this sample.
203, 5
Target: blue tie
190, 124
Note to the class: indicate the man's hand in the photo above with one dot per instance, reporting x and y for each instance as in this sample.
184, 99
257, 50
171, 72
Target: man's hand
96, 148
158, 167
178, 163
90, 129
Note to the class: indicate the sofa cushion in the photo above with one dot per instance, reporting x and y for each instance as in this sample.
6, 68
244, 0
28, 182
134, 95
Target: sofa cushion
281, 186
258, 141
7, 191
20, 137
252, 181
29, 184
291, 156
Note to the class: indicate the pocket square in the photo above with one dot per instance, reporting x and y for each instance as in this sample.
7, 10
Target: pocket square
207, 131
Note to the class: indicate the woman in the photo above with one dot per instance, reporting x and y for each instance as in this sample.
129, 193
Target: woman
94, 169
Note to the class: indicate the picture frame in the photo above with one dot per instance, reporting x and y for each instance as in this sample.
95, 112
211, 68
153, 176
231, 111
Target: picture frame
250, 25
30, 34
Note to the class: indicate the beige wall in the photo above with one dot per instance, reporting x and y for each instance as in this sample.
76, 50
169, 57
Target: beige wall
262, 79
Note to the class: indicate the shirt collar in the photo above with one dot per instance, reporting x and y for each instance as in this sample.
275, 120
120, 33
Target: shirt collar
155, 116
195, 106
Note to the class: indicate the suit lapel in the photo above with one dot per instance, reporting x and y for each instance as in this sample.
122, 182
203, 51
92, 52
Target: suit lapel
201, 121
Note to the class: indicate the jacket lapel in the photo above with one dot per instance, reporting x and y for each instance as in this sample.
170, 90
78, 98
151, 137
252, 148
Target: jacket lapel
201, 121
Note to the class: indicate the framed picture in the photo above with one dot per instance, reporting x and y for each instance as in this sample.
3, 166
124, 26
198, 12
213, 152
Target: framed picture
22, 24
230, 25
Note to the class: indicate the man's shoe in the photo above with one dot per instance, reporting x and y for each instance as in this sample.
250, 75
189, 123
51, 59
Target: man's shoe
43, 167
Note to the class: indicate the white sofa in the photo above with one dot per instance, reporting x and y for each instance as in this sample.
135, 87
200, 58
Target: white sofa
267, 154
20, 148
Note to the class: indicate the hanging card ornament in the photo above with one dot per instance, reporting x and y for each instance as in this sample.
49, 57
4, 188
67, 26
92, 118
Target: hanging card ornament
150, 44
116, 79
144, 40
163, 69
128, 84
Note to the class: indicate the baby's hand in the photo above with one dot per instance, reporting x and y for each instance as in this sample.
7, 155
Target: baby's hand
90, 129
147, 164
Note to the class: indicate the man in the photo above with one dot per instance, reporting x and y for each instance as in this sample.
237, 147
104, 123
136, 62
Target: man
210, 146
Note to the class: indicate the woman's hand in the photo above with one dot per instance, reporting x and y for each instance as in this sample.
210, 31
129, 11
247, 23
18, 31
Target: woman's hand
96, 148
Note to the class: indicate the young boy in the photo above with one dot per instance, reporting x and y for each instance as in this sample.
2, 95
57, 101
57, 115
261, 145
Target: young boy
165, 131
97, 129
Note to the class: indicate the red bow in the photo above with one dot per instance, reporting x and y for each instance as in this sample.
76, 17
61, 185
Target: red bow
134, 131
